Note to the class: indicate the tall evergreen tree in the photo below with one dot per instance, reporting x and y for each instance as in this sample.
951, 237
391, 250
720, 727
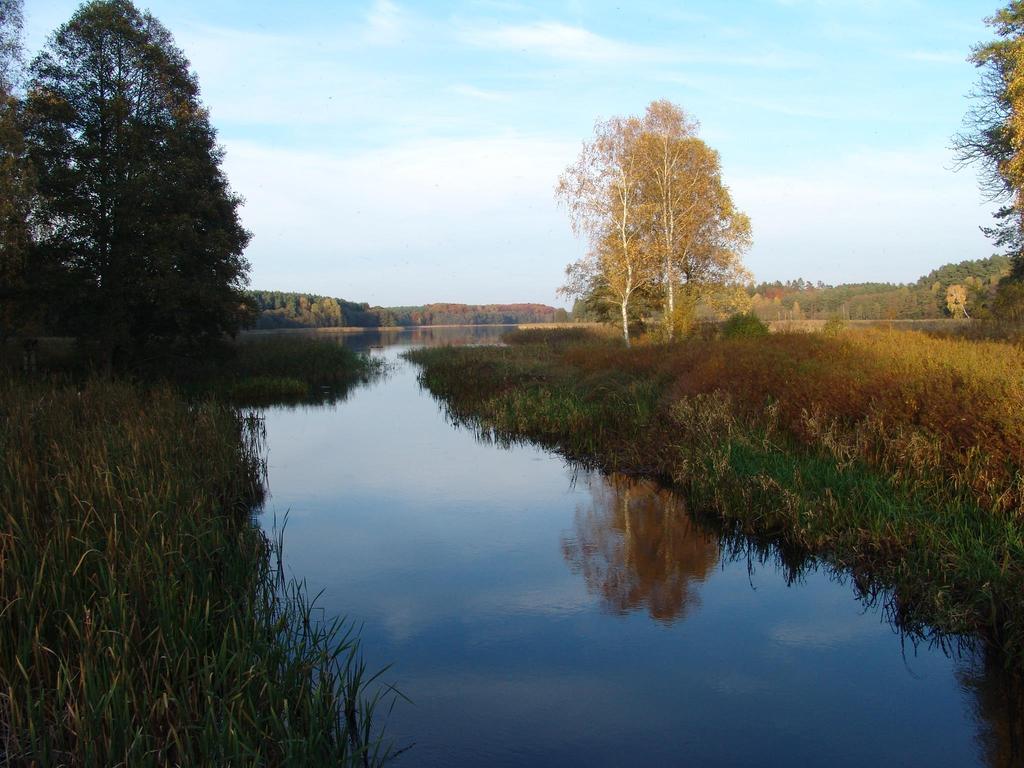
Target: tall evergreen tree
133, 205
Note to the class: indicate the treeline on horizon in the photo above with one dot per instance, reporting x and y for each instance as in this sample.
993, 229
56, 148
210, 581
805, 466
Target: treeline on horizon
925, 299
284, 309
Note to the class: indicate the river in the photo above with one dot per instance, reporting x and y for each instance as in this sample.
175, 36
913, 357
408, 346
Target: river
537, 614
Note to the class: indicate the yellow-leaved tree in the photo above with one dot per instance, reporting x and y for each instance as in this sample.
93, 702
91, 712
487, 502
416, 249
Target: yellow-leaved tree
602, 192
692, 222
956, 301
650, 196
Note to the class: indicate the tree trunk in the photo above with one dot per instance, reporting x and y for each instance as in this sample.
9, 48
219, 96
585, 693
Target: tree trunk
625, 321
670, 300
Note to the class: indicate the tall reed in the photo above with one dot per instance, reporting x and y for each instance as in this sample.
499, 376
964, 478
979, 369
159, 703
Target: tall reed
145, 622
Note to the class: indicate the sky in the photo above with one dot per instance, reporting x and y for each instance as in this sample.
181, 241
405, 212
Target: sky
401, 152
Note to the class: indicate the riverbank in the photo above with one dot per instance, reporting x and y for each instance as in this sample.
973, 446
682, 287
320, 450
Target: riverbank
147, 621
891, 454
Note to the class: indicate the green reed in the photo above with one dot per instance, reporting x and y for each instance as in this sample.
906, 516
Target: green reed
145, 619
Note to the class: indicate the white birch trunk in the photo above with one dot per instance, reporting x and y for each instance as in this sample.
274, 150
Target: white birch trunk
625, 320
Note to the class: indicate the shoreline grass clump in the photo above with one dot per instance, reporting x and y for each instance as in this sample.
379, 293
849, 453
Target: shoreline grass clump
894, 455
272, 369
146, 622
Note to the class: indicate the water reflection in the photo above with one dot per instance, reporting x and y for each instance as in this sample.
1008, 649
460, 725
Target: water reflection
998, 706
488, 584
637, 548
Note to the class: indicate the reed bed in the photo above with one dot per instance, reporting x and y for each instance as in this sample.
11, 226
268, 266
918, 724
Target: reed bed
893, 454
268, 369
145, 619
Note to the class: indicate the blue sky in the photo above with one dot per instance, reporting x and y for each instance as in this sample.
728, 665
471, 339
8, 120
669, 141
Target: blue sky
406, 152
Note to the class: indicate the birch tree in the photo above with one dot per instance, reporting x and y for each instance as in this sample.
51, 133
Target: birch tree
694, 226
716, 235
602, 191
673, 185
649, 195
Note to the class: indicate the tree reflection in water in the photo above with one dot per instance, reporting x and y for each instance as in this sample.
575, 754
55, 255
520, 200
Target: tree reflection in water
636, 547
998, 703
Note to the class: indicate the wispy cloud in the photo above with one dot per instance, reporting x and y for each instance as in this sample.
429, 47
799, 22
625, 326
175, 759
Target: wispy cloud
559, 41
762, 99
385, 22
577, 44
935, 57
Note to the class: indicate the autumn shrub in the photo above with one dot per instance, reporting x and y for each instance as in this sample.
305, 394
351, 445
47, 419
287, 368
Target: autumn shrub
833, 326
744, 326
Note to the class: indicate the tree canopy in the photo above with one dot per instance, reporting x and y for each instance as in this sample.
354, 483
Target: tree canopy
649, 196
134, 212
603, 193
993, 136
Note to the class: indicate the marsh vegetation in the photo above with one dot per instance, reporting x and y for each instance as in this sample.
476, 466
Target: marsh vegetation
147, 622
893, 454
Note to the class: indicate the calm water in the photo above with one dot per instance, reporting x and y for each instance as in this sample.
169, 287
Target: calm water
539, 616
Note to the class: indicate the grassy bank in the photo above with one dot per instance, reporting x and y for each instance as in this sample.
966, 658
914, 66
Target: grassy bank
145, 622
892, 454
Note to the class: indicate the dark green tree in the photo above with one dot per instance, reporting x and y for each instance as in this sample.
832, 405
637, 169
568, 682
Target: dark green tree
15, 180
133, 206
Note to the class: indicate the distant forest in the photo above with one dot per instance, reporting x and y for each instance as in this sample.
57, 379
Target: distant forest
795, 299
280, 309
922, 300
